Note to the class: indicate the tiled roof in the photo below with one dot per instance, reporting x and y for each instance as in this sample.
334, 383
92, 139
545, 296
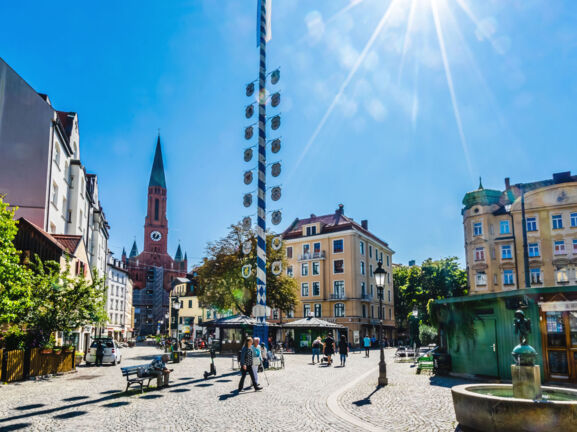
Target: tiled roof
329, 223
43, 233
157, 173
70, 242
67, 120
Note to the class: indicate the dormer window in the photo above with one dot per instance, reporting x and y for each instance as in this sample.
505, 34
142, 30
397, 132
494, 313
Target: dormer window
311, 230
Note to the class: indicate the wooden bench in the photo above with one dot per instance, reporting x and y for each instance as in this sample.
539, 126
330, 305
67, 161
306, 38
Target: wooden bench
131, 373
425, 363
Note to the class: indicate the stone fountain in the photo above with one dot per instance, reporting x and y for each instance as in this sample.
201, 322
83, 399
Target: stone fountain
523, 406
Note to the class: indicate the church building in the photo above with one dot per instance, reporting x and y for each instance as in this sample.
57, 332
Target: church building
153, 270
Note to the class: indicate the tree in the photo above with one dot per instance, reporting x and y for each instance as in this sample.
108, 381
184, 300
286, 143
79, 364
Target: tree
62, 302
15, 279
416, 286
220, 277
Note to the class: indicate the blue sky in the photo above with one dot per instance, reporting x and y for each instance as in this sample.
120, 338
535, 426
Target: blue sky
393, 108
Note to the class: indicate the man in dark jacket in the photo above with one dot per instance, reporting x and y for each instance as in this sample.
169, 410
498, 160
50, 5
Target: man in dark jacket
99, 354
246, 365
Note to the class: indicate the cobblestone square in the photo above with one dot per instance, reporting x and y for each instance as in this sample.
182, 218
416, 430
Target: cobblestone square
300, 397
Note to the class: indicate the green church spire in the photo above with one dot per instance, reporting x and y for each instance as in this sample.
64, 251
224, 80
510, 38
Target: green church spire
157, 173
134, 250
178, 256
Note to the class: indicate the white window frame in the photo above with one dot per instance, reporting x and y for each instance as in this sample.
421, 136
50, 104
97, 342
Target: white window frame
504, 223
573, 217
539, 276
305, 289
362, 247
334, 261
562, 275
557, 221
529, 221
480, 254
509, 252
333, 245
362, 267
289, 271
318, 306
559, 247
338, 306
512, 277
479, 232
304, 269
306, 307
481, 279
534, 247
316, 265
313, 289
338, 294
291, 252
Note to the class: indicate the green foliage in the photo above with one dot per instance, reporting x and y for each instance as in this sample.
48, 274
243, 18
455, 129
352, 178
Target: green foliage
417, 286
15, 280
428, 334
220, 281
63, 302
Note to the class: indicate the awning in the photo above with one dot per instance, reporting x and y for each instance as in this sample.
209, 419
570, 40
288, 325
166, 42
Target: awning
236, 321
313, 323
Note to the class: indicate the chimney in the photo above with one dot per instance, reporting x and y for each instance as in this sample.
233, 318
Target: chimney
341, 209
507, 183
365, 224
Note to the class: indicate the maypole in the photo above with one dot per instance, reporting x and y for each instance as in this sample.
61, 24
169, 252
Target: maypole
263, 35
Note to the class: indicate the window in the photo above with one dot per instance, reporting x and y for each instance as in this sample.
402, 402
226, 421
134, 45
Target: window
304, 269
339, 289
316, 268
316, 288
338, 266
311, 230
371, 270
477, 229
504, 227
306, 249
362, 267
559, 247
531, 224
381, 258
389, 295
317, 248
480, 254
376, 254
481, 279
337, 246
305, 289
156, 206
575, 246
370, 251
64, 204
562, 275
573, 220
535, 275
390, 313
57, 154
372, 311
362, 245
557, 221
339, 309
372, 291
364, 311
289, 271
290, 314
388, 261
533, 250
190, 304
318, 310
363, 289
508, 278
506, 252
306, 310
55, 194
275, 314
289, 252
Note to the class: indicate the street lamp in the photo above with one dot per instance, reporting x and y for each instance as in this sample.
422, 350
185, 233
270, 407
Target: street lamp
380, 274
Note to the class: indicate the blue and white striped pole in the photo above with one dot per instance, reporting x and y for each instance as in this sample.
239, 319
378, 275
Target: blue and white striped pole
262, 330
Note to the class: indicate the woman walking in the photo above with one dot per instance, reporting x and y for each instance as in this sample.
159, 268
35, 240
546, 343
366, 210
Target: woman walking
329, 348
343, 350
246, 365
317, 344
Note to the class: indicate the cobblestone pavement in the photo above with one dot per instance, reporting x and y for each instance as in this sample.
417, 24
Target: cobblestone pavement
296, 399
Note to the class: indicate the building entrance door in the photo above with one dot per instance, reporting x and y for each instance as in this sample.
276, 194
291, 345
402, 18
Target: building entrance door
485, 349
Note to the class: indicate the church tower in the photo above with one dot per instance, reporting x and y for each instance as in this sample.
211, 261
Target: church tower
156, 224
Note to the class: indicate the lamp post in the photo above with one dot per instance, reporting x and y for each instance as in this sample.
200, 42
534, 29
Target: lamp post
380, 274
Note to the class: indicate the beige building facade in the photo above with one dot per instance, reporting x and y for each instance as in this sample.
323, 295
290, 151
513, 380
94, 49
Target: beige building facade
498, 257
333, 259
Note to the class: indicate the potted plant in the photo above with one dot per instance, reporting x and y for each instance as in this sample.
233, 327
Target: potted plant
57, 350
78, 357
68, 348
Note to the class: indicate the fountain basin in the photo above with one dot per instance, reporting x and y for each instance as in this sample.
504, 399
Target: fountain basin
492, 408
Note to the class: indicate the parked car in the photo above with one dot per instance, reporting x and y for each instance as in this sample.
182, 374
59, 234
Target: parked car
112, 353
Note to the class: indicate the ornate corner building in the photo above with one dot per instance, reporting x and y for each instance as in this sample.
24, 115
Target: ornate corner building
153, 270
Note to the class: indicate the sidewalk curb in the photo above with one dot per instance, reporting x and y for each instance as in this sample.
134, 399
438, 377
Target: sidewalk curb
333, 405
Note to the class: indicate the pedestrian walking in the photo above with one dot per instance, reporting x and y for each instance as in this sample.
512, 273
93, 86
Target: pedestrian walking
329, 348
256, 358
246, 365
99, 354
317, 344
367, 343
343, 350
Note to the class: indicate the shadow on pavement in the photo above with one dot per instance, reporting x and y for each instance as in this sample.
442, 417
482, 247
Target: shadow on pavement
115, 404
151, 396
74, 398
111, 391
367, 400
203, 385
448, 382
15, 427
226, 396
179, 390
28, 407
223, 380
70, 415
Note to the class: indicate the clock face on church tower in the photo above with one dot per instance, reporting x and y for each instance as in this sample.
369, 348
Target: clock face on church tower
155, 236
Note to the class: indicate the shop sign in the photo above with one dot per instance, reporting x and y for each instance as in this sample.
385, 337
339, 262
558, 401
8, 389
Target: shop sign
559, 306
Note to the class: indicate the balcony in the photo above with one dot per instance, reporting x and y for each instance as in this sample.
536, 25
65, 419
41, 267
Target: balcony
338, 296
312, 256
366, 297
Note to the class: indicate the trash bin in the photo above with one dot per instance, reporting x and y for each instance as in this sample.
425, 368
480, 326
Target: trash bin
176, 356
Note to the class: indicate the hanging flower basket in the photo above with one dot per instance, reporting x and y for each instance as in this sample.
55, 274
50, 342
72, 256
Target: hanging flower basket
57, 351
46, 351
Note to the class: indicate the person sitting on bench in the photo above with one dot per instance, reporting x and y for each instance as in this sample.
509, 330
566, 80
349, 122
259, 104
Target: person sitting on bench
159, 369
